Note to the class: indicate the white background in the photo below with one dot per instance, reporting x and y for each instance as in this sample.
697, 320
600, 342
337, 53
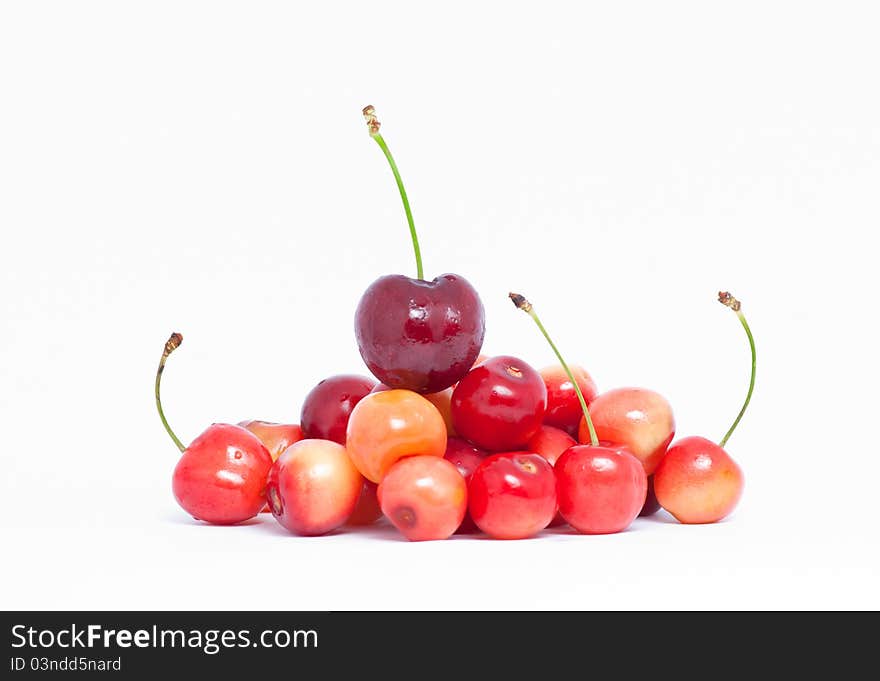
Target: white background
204, 167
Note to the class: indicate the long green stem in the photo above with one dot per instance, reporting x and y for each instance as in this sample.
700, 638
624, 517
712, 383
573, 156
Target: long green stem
726, 299
373, 125
526, 307
170, 346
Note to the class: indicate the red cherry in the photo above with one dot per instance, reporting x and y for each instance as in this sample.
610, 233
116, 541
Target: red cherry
465, 457
328, 405
601, 488
221, 476
313, 487
367, 510
424, 497
638, 418
563, 406
415, 334
512, 495
500, 404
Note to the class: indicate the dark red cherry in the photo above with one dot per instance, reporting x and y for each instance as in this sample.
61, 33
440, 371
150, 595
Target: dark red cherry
415, 334
651, 505
500, 404
328, 405
420, 335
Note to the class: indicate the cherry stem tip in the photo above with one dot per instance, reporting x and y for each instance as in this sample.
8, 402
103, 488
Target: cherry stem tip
373, 123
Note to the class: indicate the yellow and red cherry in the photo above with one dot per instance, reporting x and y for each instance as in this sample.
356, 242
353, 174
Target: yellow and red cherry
367, 509
221, 476
425, 497
600, 487
500, 404
276, 437
442, 400
389, 425
313, 487
465, 457
698, 481
563, 407
328, 405
638, 418
512, 495
416, 334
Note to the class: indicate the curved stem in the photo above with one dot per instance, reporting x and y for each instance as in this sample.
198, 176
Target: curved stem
373, 125
170, 346
526, 306
731, 302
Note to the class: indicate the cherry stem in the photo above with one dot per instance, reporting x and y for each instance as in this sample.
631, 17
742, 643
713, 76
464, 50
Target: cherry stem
527, 307
170, 346
373, 126
725, 298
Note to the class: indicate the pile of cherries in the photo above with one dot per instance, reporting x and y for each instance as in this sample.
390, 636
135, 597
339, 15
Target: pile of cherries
447, 440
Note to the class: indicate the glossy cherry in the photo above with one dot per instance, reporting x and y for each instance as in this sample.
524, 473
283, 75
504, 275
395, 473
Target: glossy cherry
416, 334
328, 405
500, 404
697, 481
387, 426
512, 495
639, 418
424, 497
221, 477
419, 335
563, 407
313, 487
465, 457
600, 487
